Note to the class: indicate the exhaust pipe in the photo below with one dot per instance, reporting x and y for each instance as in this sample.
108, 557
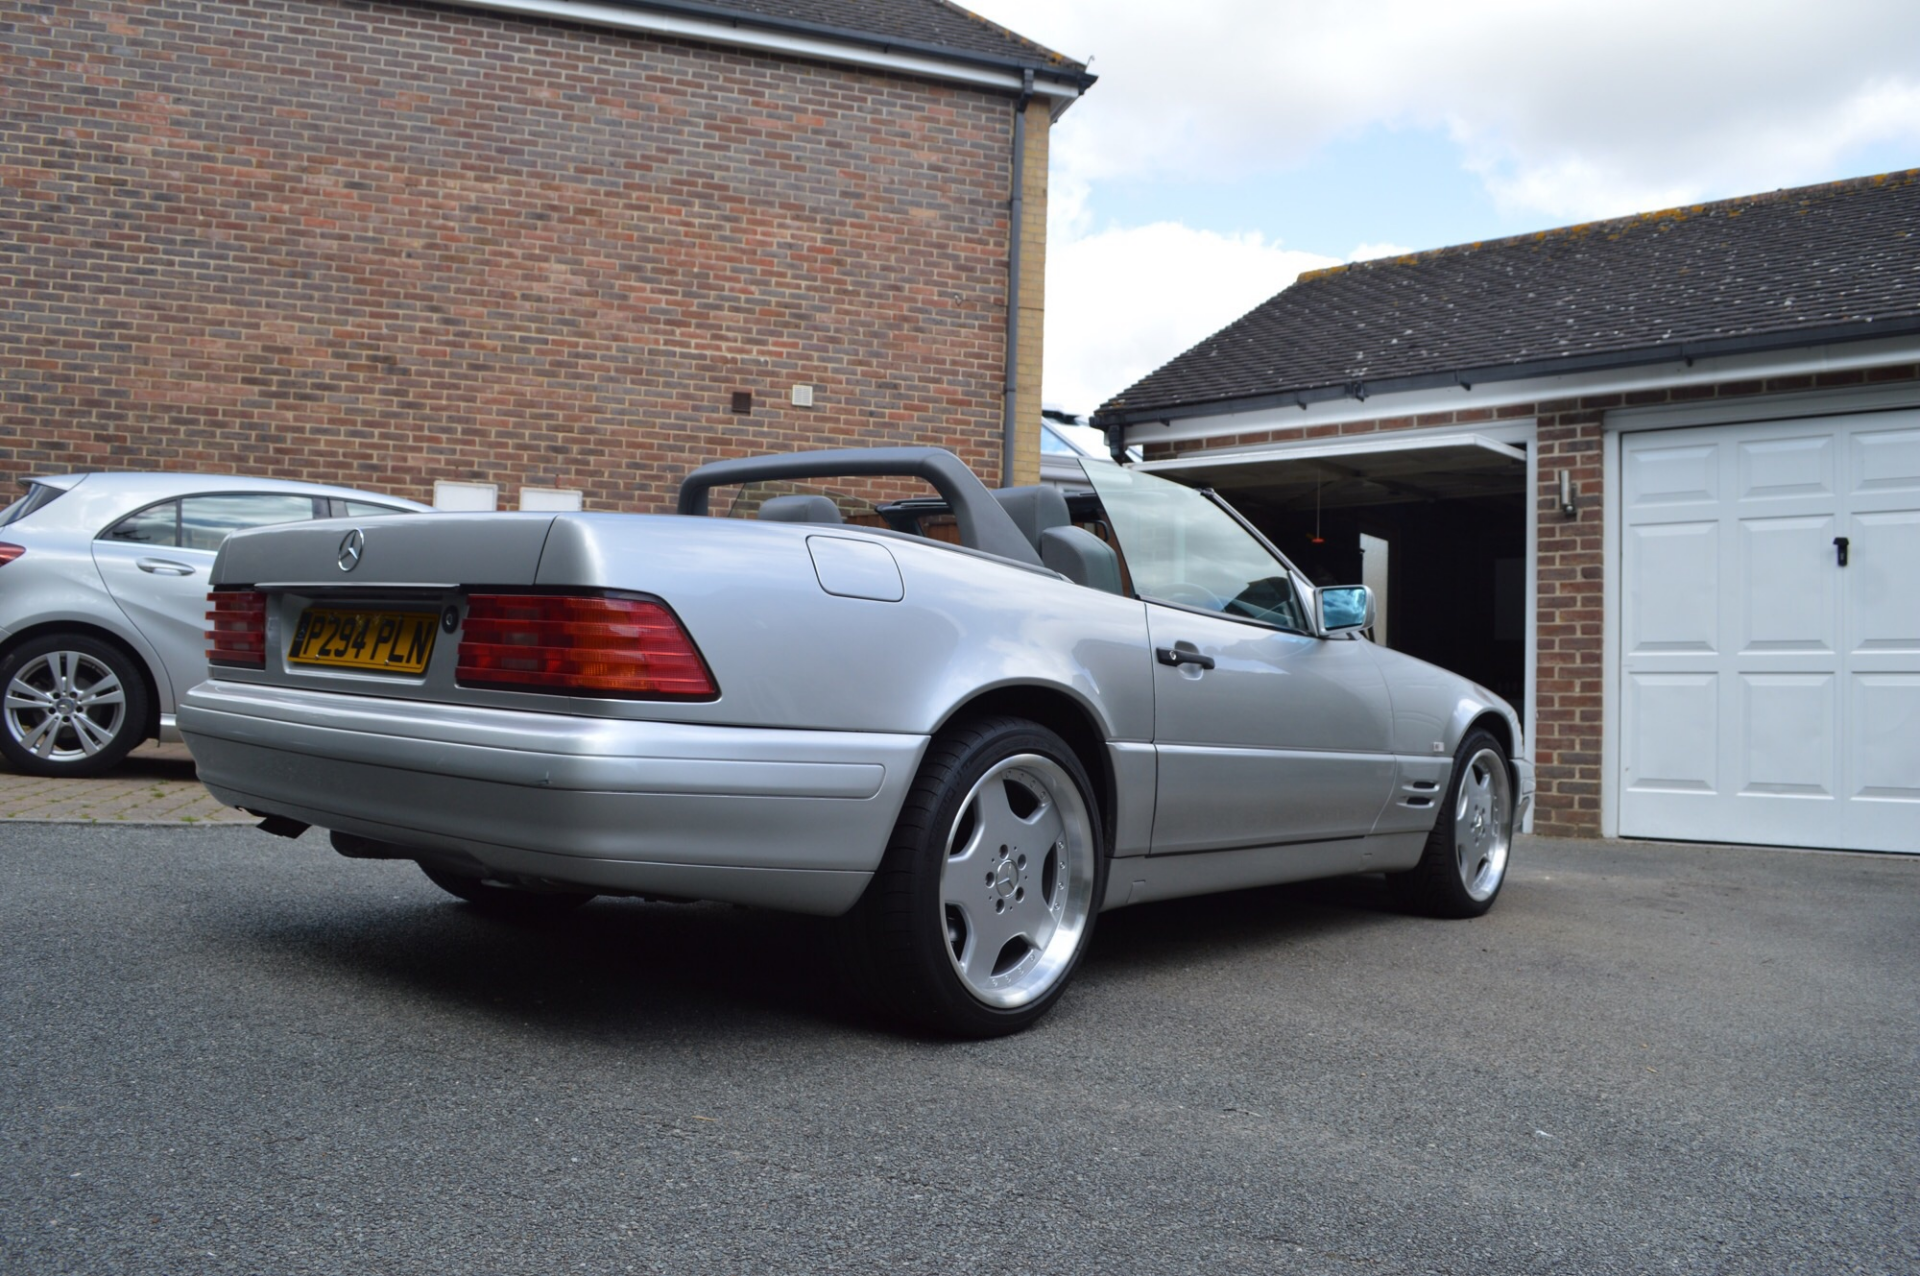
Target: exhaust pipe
278, 825
355, 847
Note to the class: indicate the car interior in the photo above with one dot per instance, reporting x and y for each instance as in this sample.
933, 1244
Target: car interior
1069, 543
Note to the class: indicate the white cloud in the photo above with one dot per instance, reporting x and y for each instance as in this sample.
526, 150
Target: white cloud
1123, 301
1368, 252
1567, 110
1575, 175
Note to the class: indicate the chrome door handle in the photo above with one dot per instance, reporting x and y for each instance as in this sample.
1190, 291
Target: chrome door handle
163, 567
1177, 656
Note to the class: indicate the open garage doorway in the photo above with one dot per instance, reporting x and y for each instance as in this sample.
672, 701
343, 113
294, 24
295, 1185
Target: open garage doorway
1440, 525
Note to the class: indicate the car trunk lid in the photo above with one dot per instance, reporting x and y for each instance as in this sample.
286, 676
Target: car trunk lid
439, 551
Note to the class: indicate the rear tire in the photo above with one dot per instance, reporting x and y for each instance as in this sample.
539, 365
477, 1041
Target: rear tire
509, 903
1465, 862
73, 706
985, 900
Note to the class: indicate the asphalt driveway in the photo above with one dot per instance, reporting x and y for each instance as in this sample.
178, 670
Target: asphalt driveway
225, 1052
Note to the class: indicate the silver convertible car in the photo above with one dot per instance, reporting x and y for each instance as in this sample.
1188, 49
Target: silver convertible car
969, 721
103, 600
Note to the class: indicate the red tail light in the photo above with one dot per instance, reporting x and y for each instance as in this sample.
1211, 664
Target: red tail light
10, 552
239, 634
623, 647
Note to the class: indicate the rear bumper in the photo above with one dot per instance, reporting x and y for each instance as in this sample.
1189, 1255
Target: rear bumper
781, 818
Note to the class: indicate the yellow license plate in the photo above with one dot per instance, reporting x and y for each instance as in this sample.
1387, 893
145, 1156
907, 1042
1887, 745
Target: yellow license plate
390, 641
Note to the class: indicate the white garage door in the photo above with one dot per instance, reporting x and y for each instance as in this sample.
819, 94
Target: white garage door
1769, 693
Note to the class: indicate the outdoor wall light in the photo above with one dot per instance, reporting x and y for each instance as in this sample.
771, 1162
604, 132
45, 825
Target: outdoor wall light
1567, 509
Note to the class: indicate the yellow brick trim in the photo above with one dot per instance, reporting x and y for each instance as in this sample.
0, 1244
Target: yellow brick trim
1029, 358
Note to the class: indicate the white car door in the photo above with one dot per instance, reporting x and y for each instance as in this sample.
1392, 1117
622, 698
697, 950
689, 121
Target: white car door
156, 564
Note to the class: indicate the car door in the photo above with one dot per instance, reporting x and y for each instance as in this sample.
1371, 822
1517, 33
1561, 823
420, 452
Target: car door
156, 562
1265, 733
1264, 737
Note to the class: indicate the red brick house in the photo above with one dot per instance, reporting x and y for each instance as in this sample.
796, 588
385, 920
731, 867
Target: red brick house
522, 243
1656, 480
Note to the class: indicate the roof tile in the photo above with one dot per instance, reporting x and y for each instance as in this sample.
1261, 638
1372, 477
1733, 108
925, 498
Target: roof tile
1816, 257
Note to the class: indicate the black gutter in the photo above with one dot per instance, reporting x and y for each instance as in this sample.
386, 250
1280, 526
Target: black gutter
1016, 212
1115, 422
1039, 64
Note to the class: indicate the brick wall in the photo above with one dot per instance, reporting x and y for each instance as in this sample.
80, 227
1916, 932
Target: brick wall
384, 243
1572, 616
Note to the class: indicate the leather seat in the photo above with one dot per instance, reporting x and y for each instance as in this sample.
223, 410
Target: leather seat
1040, 512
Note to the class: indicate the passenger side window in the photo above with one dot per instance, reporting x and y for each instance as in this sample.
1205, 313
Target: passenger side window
1184, 548
1270, 601
154, 525
206, 521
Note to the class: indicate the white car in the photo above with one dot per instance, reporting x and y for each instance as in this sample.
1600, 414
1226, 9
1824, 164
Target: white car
103, 602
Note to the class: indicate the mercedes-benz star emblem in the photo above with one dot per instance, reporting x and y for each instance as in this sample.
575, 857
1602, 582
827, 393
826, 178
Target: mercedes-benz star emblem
352, 546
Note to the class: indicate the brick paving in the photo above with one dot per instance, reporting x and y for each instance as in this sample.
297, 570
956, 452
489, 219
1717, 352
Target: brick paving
155, 785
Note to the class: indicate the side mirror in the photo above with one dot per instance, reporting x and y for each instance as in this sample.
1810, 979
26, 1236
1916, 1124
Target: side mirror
1344, 608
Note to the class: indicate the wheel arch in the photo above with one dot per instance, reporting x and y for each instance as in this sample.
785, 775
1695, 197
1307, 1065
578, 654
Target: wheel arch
85, 629
1495, 725
1067, 717
1503, 729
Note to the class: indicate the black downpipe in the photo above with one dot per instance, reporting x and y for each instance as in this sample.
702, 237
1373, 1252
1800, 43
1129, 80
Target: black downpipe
1017, 212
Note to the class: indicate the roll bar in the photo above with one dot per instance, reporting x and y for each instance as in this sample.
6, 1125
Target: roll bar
984, 525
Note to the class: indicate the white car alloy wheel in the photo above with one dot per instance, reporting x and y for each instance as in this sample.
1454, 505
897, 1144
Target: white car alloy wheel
1017, 887
71, 705
65, 706
1483, 824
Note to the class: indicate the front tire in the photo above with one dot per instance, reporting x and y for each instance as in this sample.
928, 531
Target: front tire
1465, 862
509, 903
70, 706
985, 899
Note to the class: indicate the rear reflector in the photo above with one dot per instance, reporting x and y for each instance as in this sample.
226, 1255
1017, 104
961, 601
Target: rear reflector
239, 634
10, 552
623, 647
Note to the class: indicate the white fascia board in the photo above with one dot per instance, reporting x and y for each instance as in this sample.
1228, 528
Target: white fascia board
815, 48
1871, 397
1805, 361
1351, 445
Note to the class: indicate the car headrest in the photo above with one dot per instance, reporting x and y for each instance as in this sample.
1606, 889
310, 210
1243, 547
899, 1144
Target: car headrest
1034, 509
800, 509
1081, 557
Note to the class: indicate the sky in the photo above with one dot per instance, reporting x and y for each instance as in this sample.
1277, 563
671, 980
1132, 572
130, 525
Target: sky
1231, 144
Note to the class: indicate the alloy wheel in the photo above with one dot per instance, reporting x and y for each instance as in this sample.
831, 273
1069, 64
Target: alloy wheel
1483, 823
1016, 891
65, 706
